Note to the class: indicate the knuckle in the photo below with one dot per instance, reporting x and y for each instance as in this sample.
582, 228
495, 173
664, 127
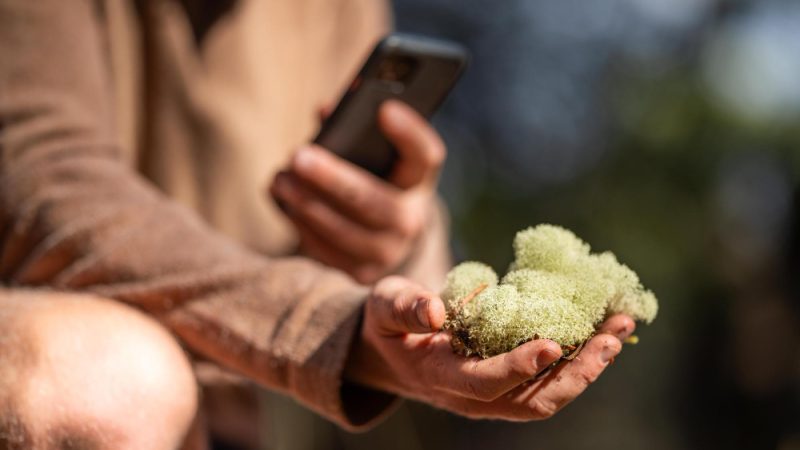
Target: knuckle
410, 225
394, 280
386, 289
381, 251
355, 197
367, 275
436, 376
397, 313
393, 205
437, 153
401, 314
384, 254
411, 218
542, 408
432, 150
589, 376
390, 285
519, 370
473, 387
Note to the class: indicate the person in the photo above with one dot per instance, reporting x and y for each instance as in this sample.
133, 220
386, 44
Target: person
136, 239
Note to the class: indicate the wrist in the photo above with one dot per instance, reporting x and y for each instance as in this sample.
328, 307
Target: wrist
364, 399
365, 365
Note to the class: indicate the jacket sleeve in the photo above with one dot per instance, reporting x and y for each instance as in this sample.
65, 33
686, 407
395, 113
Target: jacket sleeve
74, 216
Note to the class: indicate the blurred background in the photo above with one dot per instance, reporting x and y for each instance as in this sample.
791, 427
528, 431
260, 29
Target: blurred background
668, 132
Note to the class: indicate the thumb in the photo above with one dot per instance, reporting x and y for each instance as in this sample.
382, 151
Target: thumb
401, 307
418, 145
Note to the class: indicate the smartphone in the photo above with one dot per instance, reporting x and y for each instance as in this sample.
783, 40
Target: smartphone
417, 70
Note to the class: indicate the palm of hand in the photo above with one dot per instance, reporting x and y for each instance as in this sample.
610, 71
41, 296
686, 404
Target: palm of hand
403, 351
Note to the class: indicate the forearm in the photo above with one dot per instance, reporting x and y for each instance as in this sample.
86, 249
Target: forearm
73, 216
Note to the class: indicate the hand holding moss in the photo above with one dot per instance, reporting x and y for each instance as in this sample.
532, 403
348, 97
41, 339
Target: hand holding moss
400, 350
555, 289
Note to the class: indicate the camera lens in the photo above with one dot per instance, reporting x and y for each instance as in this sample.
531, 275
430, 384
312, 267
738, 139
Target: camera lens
396, 68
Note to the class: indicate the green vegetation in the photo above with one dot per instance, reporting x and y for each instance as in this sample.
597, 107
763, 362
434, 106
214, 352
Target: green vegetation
555, 289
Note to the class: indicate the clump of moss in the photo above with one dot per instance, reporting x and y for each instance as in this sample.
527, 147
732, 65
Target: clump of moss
462, 280
555, 289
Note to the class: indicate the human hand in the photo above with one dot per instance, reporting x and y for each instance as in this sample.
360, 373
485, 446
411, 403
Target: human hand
352, 220
400, 351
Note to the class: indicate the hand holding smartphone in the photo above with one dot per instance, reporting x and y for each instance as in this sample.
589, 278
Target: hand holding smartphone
344, 216
416, 70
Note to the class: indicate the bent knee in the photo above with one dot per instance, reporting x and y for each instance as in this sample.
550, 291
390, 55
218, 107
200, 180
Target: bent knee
95, 368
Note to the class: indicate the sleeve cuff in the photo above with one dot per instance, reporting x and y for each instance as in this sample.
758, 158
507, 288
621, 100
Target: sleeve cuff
317, 380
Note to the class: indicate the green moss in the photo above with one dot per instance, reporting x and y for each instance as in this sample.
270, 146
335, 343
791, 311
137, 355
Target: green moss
555, 289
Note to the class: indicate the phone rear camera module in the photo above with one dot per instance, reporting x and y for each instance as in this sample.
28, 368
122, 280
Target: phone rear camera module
397, 68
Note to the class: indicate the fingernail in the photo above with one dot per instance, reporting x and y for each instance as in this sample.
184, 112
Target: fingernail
623, 332
422, 312
545, 358
304, 159
608, 354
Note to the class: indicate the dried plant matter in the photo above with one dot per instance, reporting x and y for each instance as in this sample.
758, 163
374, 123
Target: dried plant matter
555, 289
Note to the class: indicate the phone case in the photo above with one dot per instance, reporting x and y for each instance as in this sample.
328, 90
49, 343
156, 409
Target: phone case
416, 70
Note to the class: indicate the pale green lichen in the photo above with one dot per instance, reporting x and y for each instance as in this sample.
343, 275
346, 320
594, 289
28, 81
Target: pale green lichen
463, 279
547, 247
555, 289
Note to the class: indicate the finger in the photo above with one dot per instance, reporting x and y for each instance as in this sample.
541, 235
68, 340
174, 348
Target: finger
420, 148
490, 378
357, 192
570, 379
318, 248
313, 245
400, 307
305, 205
619, 325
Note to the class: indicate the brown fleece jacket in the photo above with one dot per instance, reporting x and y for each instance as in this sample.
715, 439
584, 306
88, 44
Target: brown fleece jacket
135, 142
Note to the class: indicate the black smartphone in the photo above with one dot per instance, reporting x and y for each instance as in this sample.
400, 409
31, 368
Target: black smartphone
417, 70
